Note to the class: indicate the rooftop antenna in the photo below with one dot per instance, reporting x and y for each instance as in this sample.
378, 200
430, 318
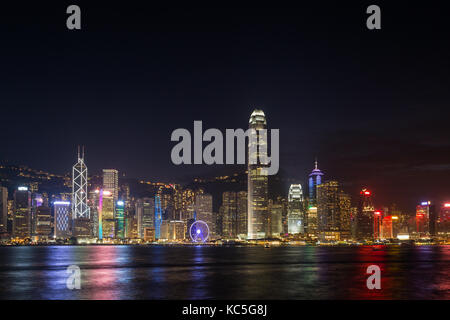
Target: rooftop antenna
315, 164
78, 152
82, 153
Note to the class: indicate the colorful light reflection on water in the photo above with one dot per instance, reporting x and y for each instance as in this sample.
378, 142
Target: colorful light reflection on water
200, 272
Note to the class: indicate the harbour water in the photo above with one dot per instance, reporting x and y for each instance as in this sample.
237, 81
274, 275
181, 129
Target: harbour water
202, 272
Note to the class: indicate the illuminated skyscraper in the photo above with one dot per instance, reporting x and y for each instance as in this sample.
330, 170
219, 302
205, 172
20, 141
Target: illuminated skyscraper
386, 230
61, 210
36, 202
3, 209
333, 212
444, 219
275, 219
93, 204
22, 214
158, 217
176, 230
80, 209
43, 223
312, 221
204, 208
120, 219
433, 219
315, 179
364, 221
242, 214
111, 182
295, 209
378, 221
106, 222
167, 206
425, 219
345, 213
229, 215
257, 180
145, 211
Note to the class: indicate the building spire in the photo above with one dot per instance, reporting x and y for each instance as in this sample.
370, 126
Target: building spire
78, 152
315, 164
82, 152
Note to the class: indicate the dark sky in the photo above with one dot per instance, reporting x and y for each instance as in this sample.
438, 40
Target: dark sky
373, 106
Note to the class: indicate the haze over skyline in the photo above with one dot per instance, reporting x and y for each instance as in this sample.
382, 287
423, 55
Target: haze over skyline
372, 106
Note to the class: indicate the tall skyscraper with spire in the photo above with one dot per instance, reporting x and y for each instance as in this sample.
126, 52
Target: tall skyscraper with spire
80, 209
257, 180
315, 179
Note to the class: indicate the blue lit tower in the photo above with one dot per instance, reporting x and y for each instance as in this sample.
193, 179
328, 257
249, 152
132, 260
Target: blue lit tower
158, 217
315, 178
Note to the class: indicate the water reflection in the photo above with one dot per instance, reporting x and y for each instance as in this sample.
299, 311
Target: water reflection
198, 272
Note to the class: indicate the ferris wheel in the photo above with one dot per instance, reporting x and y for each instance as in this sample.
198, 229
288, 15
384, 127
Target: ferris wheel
199, 231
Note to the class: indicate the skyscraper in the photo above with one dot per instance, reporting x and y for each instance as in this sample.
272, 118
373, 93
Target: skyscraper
315, 179
312, 221
295, 209
36, 202
433, 214
43, 223
257, 179
378, 221
386, 230
158, 217
333, 212
204, 208
365, 216
93, 211
444, 219
242, 204
22, 214
3, 209
275, 219
120, 219
111, 182
229, 215
107, 222
80, 209
423, 219
145, 211
62, 218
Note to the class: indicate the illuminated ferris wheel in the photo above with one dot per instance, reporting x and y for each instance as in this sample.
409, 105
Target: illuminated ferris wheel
199, 231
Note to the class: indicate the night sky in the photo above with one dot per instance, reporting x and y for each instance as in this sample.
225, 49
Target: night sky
373, 106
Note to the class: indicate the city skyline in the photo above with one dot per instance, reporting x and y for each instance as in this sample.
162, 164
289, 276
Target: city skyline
230, 170
107, 211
